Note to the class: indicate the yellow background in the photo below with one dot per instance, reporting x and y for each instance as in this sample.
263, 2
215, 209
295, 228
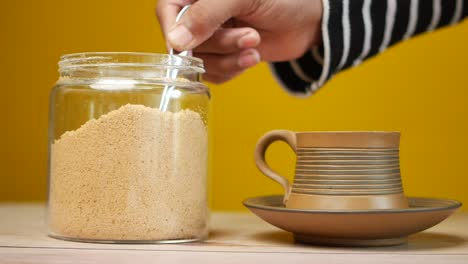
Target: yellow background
419, 88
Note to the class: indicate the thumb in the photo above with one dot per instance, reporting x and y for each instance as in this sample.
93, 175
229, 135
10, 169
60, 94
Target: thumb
202, 19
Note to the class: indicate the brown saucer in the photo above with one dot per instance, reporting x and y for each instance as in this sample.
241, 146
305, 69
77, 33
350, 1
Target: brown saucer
353, 227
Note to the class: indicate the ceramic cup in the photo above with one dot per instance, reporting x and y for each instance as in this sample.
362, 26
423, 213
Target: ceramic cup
339, 170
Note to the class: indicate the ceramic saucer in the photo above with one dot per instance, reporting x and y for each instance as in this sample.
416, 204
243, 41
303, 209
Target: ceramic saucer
353, 227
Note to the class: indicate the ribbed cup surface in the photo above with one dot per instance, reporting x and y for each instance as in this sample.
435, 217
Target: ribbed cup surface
347, 171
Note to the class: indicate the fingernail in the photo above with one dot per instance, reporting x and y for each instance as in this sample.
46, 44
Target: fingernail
248, 41
180, 37
249, 59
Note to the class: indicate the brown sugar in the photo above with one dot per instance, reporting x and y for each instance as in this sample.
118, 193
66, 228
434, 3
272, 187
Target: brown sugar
135, 173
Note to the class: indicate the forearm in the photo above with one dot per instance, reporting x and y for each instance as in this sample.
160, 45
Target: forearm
355, 30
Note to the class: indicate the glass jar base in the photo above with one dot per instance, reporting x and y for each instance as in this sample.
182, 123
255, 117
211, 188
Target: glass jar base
104, 241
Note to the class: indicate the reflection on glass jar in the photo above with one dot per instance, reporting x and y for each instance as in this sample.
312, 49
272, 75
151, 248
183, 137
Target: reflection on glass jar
120, 169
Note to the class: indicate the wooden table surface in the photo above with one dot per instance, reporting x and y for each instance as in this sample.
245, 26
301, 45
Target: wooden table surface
235, 238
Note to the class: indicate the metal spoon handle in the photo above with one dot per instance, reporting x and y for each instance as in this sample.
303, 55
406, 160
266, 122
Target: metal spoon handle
173, 71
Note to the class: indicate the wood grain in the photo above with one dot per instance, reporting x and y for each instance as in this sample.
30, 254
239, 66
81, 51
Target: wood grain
235, 238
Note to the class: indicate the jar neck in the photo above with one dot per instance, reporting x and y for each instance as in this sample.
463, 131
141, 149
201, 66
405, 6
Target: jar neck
148, 74
136, 66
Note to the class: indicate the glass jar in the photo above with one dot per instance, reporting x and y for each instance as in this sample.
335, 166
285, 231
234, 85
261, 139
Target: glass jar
120, 168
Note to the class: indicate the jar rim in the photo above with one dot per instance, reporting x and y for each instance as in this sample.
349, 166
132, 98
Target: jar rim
130, 59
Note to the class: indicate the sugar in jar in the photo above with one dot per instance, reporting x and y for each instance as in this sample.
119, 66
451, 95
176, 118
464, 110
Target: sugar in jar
128, 147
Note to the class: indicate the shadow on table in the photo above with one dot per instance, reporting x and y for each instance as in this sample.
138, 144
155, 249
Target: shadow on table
421, 241
428, 241
274, 237
231, 238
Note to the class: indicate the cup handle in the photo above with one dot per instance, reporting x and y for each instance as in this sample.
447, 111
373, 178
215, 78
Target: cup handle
262, 145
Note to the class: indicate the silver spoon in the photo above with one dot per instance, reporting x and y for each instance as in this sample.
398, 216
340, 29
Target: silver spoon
174, 70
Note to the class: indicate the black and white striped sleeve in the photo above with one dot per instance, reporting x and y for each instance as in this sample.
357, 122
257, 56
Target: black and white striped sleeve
355, 30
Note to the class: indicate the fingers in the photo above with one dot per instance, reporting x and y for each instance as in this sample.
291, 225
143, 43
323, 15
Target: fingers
221, 68
226, 52
203, 18
229, 40
217, 79
167, 10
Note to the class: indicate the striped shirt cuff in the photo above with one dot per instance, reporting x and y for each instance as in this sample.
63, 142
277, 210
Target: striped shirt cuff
355, 30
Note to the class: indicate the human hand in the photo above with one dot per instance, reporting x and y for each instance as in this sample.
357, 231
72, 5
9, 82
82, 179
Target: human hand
233, 35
